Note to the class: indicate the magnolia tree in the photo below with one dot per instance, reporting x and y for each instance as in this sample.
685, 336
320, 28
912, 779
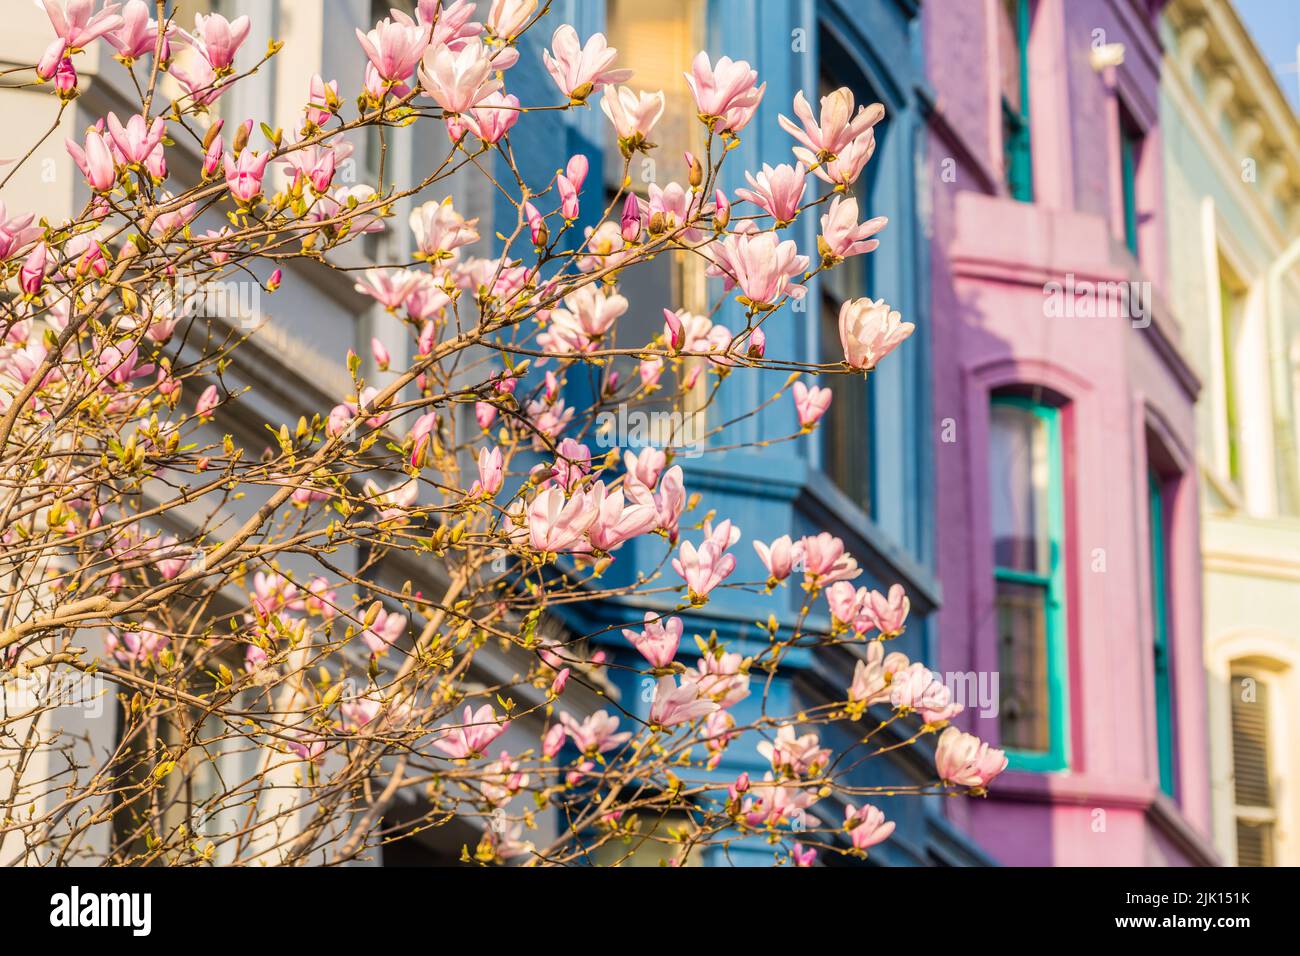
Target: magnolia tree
251, 604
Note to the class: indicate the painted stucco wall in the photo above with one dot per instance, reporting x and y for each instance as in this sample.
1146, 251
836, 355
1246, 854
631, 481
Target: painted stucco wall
1116, 379
1227, 184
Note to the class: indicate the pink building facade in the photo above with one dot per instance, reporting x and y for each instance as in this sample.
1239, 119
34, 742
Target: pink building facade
1067, 520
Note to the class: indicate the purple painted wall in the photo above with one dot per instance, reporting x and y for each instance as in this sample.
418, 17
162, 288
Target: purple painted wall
1127, 398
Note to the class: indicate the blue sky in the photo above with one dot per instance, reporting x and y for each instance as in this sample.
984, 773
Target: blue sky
1275, 25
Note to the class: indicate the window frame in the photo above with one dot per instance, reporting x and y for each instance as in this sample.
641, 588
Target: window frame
1162, 672
1130, 157
1017, 138
1057, 756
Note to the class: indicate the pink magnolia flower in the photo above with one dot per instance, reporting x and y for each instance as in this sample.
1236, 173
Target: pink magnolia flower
847, 166
703, 569
508, 17
307, 746
779, 557
394, 47
172, 219
810, 403
838, 128
255, 658
315, 163
15, 233
136, 647
536, 225
842, 235
138, 34
452, 25
322, 100
493, 117
777, 190
274, 592
722, 678
866, 826
658, 641
395, 502
384, 632
359, 711
798, 756
135, 141
760, 264
199, 80
388, 287
917, 688
244, 174
376, 86
553, 741
630, 223
217, 39
490, 472
458, 80
209, 400
581, 70
561, 679
95, 161
595, 734
65, 79
845, 602
53, 56
474, 735
670, 502
568, 197
644, 468
675, 704
966, 761
825, 560
669, 209
726, 93
320, 599
617, 521
212, 157
872, 677
556, 524
803, 857
576, 169
721, 210
633, 114
870, 330
31, 277
889, 614
439, 230
76, 21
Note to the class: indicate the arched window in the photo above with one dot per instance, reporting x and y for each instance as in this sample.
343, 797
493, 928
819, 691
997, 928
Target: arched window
1026, 516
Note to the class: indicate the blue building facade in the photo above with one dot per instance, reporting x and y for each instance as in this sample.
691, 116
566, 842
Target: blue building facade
865, 475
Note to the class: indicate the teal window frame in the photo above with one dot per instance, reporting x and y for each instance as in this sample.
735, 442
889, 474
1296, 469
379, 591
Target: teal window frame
1160, 635
1018, 152
1130, 141
1057, 756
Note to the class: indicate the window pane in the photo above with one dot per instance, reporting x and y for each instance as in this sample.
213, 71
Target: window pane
1023, 711
658, 41
1019, 479
846, 427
